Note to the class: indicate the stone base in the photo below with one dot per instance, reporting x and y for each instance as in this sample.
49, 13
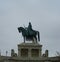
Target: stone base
29, 50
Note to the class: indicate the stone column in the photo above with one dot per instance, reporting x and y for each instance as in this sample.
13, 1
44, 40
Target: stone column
29, 52
40, 52
19, 52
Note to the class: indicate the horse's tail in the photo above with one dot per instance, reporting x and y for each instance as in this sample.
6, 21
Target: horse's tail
38, 36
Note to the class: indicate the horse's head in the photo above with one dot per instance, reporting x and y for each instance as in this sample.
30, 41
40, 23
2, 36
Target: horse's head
20, 29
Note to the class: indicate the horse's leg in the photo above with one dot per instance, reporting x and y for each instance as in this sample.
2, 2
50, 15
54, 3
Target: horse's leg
24, 39
36, 39
33, 39
38, 36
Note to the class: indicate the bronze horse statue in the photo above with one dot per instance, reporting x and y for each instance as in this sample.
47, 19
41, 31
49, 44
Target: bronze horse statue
29, 33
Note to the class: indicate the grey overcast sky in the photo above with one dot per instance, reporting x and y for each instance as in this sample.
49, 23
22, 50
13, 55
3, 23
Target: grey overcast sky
44, 16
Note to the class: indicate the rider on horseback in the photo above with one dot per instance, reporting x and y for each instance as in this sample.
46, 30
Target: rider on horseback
29, 29
28, 33
29, 26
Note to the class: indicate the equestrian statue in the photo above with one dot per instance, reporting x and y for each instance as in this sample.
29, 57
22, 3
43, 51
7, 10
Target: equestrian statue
29, 34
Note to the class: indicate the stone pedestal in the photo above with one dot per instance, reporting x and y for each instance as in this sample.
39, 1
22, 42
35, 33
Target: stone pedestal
29, 50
